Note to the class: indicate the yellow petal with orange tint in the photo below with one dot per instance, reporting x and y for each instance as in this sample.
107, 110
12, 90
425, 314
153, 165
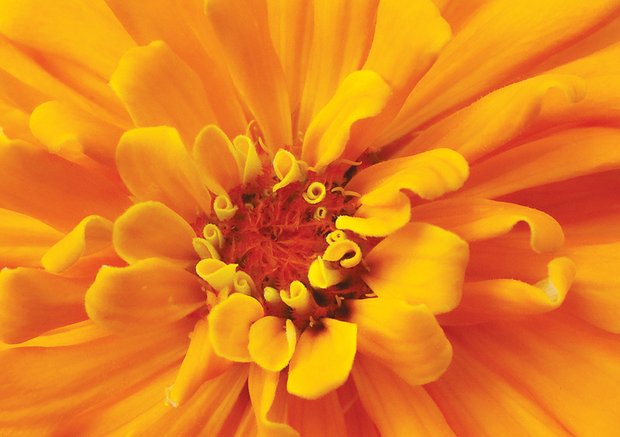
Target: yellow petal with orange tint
581, 151
23, 239
263, 389
323, 359
147, 294
34, 301
491, 122
361, 95
421, 264
404, 338
217, 160
155, 165
396, 408
482, 219
91, 235
230, 323
151, 229
252, 61
66, 129
272, 342
158, 88
502, 298
50, 188
84, 32
199, 365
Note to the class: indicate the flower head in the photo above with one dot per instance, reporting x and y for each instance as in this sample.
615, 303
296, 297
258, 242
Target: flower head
240, 217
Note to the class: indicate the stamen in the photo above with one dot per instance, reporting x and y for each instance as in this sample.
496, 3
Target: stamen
205, 249
213, 235
223, 208
321, 275
344, 192
315, 193
288, 169
320, 213
346, 251
299, 298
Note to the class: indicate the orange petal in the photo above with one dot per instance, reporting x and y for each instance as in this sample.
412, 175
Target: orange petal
360, 96
230, 323
91, 235
581, 151
199, 365
492, 47
481, 219
49, 385
264, 393
84, 32
491, 122
67, 129
149, 293
242, 29
503, 298
186, 32
23, 239
404, 338
158, 88
331, 59
155, 165
323, 416
34, 301
396, 408
476, 400
421, 264
322, 359
272, 342
547, 354
54, 190
151, 229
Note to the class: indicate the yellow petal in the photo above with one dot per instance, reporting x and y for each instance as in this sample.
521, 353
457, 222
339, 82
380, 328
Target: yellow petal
217, 159
151, 229
331, 59
91, 235
62, 127
492, 47
322, 359
429, 175
481, 219
230, 323
404, 338
361, 95
242, 30
155, 165
158, 88
23, 239
421, 264
84, 32
502, 298
149, 293
272, 342
263, 388
397, 408
581, 150
495, 119
52, 189
199, 365
34, 301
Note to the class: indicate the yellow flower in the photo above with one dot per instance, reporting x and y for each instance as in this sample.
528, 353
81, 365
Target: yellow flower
267, 217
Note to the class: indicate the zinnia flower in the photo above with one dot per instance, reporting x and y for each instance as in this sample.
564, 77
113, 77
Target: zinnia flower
248, 217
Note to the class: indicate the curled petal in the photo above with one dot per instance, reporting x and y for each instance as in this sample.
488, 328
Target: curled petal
287, 169
298, 297
321, 275
224, 208
347, 252
251, 164
218, 274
